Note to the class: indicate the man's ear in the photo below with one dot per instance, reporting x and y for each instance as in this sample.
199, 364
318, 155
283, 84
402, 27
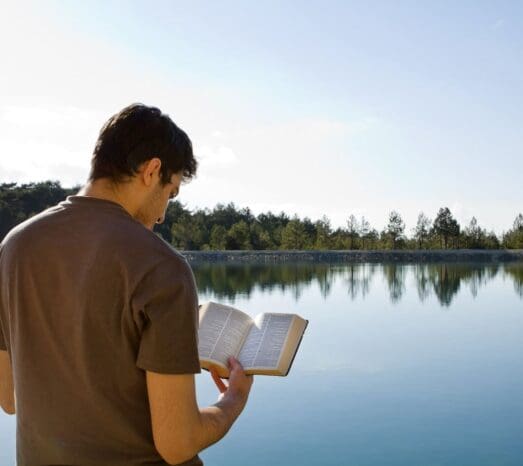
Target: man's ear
150, 170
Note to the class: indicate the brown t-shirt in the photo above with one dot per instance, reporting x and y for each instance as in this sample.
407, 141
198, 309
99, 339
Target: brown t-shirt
89, 300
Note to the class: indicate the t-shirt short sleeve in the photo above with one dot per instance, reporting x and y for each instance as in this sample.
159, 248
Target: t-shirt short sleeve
165, 309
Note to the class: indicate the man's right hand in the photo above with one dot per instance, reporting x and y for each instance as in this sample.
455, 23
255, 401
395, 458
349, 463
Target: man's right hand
239, 385
180, 428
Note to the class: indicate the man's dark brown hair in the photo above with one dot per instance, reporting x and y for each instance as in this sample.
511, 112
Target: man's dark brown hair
137, 134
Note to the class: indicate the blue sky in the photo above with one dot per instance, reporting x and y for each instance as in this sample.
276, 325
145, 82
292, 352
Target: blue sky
309, 107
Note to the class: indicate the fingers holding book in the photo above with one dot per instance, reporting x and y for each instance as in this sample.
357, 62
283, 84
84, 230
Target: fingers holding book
218, 381
239, 383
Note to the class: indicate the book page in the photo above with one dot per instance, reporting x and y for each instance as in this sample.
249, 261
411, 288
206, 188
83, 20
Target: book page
265, 341
222, 331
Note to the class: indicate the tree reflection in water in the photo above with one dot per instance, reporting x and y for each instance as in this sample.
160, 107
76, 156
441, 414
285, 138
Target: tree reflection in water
444, 281
231, 280
395, 278
358, 278
515, 272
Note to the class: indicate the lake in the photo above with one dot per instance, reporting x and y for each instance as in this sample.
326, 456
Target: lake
400, 365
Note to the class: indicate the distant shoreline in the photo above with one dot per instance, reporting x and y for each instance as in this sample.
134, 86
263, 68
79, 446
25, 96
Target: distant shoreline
357, 256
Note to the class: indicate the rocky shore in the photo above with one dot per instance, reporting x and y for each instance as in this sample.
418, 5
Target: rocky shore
355, 256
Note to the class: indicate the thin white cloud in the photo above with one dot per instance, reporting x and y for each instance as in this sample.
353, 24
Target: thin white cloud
45, 117
313, 128
460, 213
10, 175
212, 156
289, 208
28, 161
498, 24
219, 134
40, 143
300, 166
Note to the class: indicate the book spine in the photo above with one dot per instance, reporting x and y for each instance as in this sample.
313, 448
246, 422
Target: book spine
297, 347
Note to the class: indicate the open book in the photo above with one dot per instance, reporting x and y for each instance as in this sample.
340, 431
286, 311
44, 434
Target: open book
265, 345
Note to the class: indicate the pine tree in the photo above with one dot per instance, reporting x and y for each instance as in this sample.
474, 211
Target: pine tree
352, 229
445, 226
395, 227
422, 229
364, 231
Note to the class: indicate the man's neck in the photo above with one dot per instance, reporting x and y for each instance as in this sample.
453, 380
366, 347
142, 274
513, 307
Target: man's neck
110, 191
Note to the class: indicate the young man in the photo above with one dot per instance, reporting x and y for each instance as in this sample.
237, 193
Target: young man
99, 319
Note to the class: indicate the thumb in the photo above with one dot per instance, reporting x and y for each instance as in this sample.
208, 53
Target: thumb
234, 363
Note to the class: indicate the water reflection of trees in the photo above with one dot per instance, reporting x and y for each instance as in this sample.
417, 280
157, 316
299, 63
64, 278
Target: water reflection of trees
515, 272
444, 281
357, 278
395, 278
230, 280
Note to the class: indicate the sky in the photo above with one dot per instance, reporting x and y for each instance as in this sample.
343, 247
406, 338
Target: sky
312, 108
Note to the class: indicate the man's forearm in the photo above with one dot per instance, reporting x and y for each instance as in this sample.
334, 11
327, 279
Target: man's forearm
216, 420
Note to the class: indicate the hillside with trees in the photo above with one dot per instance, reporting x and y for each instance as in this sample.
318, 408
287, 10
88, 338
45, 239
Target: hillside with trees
228, 227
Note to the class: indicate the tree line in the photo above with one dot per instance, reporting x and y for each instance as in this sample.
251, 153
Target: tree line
228, 227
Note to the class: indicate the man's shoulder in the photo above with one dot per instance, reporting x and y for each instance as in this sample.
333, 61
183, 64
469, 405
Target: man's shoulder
26, 230
144, 250
163, 250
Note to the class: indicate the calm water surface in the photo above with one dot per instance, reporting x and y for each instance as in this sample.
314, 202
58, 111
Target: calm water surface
400, 365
